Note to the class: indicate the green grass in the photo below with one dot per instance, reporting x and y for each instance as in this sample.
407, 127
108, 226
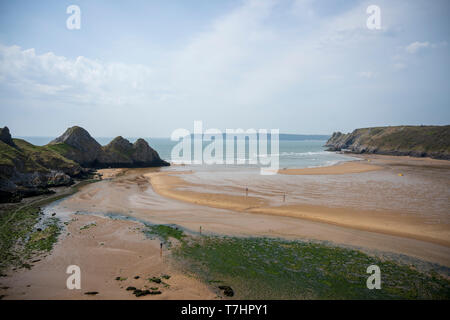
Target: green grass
266, 268
26, 157
18, 240
7, 154
14, 157
44, 239
164, 232
61, 148
15, 226
262, 268
404, 139
45, 156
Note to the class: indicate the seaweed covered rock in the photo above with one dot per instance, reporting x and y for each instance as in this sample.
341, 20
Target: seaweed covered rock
227, 291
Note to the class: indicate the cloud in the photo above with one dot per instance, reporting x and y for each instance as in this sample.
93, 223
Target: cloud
302, 57
416, 46
367, 74
247, 59
244, 57
81, 79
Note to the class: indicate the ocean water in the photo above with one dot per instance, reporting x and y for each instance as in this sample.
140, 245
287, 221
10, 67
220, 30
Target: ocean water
292, 153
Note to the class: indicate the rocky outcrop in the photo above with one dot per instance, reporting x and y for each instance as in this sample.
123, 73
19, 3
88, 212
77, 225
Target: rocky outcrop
416, 141
5, 136
27, 170
121, 153
25, 184
78, 145
118, 151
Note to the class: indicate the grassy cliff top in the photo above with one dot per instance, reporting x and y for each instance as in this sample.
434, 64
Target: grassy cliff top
418, 139
28, 157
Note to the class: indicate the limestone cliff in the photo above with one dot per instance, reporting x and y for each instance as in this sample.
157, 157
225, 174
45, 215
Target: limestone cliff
26, 169
416, 141
78, 145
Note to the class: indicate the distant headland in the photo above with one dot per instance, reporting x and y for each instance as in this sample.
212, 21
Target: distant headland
415, 141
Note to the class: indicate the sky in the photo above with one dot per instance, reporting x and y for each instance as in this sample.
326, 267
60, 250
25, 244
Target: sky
146, 68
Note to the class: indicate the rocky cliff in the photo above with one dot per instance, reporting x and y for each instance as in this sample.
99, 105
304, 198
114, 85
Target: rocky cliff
78, 145
416, 141
27, 170
5, 136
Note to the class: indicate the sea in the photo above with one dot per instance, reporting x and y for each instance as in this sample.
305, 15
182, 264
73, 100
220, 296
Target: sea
292, 153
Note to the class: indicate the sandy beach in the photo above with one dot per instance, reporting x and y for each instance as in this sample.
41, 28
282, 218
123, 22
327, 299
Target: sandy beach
342, 168
393, 222
106, 250
359, 204
351, 208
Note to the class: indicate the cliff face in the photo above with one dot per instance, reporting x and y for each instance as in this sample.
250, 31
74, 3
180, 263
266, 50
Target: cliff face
5, 137
27, 170
121, 153
78, 145
416, 141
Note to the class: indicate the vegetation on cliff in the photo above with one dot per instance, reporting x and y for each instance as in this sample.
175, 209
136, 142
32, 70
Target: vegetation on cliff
78, 145
417, 141
27, 170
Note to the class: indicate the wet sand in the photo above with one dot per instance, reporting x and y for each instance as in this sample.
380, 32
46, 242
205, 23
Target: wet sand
341, 168
110, 249
111, 173
392, 222
370, 206
176, 196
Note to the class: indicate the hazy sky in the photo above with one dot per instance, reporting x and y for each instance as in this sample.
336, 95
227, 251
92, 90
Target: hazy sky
145, 68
